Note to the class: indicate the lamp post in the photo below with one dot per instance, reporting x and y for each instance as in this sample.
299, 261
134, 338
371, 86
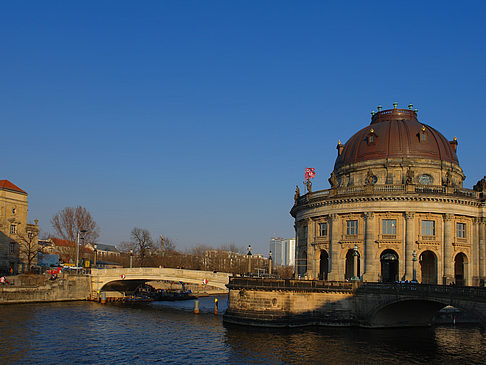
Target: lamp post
131, 259
270, 264
96, 253
355, 266
77, 246
414, 260
249, 259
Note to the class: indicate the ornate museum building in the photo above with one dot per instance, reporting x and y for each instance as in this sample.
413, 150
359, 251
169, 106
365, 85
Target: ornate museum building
396, 209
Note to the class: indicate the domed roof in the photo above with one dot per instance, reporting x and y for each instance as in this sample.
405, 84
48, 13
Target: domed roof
396, 133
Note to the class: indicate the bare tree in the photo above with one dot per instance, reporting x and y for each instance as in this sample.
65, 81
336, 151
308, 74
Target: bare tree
69, 221
28, 247
232, 247
142, 241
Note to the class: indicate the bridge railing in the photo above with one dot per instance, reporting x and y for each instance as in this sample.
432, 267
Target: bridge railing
425, 289
287, 284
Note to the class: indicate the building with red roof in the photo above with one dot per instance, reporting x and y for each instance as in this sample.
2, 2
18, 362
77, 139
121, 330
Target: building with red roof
18, 238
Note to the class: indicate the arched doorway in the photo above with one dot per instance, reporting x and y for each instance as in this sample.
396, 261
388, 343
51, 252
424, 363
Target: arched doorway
428, 267
389, 266
349, 273
460, 269
324, 265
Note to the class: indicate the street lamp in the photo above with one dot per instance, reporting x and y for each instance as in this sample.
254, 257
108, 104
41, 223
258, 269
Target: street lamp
77, 246
249, 259
270, 264
131, 259
355, 267
96, 253
414, 259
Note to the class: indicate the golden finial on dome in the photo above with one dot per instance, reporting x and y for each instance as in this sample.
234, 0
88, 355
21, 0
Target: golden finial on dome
339, 141
455, 139
372, 130
423, 128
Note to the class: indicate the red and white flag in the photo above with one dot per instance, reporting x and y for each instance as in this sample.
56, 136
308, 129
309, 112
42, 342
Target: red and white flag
310, 173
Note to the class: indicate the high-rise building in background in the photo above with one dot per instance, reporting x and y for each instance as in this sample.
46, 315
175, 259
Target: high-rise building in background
283, 251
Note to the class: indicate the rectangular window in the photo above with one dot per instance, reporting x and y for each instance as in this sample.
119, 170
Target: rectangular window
428, 228
352, 227
389, 226
323, 229
12, 247
461, 230
13, 229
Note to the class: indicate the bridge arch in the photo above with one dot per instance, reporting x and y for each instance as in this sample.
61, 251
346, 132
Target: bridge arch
127, 280
414, 312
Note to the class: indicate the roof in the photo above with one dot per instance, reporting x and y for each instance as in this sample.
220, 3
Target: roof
396, 133
64, 243
7, 185
108, 248
59, 242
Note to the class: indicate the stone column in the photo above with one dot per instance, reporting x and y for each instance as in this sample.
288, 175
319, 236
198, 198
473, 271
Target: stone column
370, 263
335, 250
409, 244
482, 251
448, 260
475, 252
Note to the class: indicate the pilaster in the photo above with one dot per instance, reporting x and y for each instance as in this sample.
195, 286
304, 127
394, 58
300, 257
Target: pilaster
448, 259
311, 254
482, 251
335, 265
475, 253
409, 244
370, 272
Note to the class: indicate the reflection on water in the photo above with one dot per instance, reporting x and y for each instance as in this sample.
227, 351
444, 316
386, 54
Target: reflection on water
168, 332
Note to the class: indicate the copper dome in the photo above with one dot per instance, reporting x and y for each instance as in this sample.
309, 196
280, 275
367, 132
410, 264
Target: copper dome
396, 133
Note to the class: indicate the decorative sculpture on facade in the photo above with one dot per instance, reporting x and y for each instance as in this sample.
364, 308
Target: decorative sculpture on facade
297, 193
409, 176
480, 185
308, 184
447, 181
369, 177
333, 180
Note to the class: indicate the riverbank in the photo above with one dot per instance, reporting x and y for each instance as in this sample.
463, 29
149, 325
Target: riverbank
39, 289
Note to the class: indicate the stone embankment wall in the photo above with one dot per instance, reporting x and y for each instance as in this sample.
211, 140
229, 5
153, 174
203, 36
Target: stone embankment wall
287, 306
66, 288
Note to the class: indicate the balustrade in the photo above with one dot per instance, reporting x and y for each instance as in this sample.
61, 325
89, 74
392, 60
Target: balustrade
387, 189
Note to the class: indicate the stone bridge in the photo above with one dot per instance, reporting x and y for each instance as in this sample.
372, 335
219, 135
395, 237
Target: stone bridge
126, 280
287, 303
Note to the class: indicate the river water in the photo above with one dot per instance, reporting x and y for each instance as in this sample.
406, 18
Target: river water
169, 332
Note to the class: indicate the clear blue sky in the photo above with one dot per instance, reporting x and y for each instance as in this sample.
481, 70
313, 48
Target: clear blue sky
196, 119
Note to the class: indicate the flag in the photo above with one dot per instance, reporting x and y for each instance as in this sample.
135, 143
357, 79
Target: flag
310, 173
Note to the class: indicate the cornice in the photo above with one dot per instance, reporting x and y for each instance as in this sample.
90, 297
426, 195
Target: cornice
330, 201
